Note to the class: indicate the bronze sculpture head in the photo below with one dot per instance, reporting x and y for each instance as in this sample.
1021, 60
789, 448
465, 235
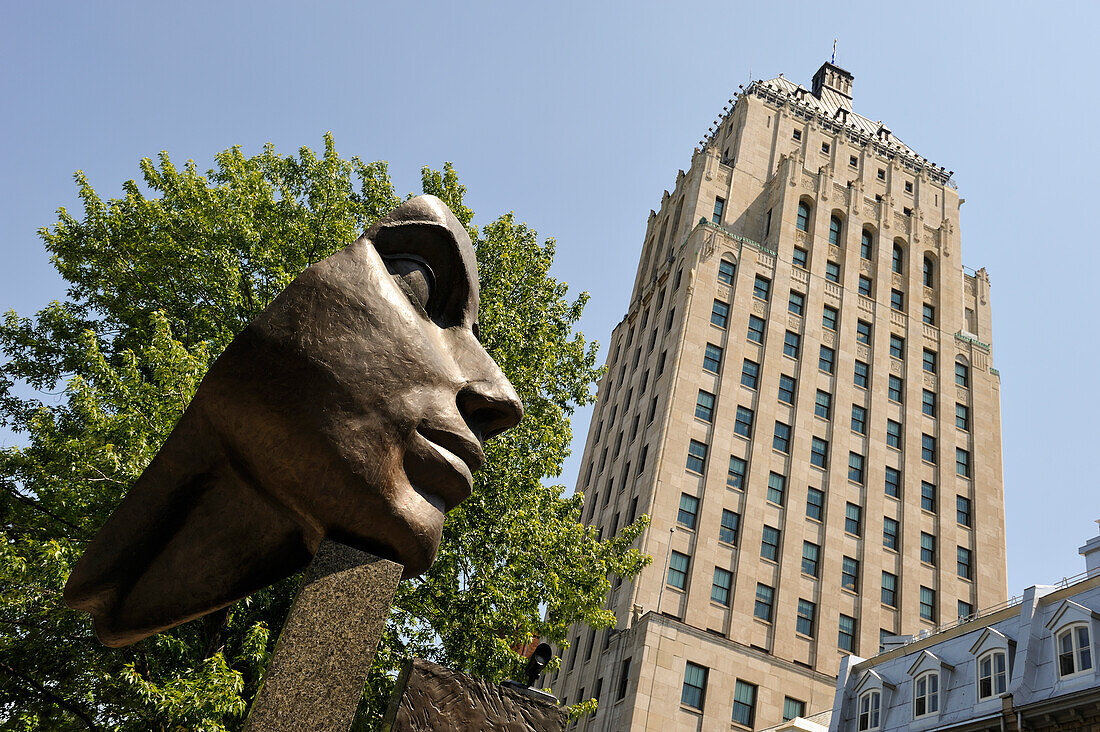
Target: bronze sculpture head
353, 408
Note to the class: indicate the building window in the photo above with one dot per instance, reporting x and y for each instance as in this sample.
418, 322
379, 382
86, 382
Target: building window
742, 424
893, 434
726, 270
826, 360
881, 174
962, 417
962, 374
761, 288
811, 554
849, 574
853, 519
898, 261
735, 477
962, 462
846, 638
624, 679
855, 467
908, 186
963, 565
889, 589
829, 317
777, 488
800, 258
697, 456
819, 453
870, 704
720, 588
859, 419
796, 134
823, 404
787, 386
895, 388
731, 524
834, 222
865, 285
767, 223
704, 406
756, 329
962, 510
790, 344
719, 314
897, 346
712, 358
763, 607
928, 314
802, 222
893, 481
928, 402
930, 361
678, 570
862, 375
832, 271
853, 161
695, 686
926, 694
689, 509
792, 708
927, 548
992, 675
929, 273
815, 504
661, 362
825, 148
897, 300
795, 302
927, 496
890, 531
769, 546
863, 332
744, 703
966, 610
1074, 651
866, 244
719, 206
670, 319
928, 448
804, 625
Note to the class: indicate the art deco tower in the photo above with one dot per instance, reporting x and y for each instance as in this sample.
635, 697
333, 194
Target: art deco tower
801, 397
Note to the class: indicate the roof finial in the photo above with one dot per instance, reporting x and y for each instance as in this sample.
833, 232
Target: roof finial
833, 62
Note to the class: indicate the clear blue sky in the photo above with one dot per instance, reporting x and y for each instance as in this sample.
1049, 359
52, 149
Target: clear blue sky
576, 116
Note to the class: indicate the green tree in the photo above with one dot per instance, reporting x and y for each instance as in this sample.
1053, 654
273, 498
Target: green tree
159, 282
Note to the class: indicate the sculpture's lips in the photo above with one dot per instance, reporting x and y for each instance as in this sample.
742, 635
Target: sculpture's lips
455, 459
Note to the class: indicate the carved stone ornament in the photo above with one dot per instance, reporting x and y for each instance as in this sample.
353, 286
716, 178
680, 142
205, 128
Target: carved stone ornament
353, 408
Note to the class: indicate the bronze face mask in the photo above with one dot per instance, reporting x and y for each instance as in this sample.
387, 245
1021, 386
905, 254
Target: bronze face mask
354, 408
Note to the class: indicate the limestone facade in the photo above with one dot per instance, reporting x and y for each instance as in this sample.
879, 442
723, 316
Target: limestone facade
801, 397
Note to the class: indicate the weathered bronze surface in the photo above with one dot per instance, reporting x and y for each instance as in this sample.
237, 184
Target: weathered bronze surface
354, 408
432, 698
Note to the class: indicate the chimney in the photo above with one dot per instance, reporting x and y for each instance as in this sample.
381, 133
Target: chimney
1091, 552
834, 78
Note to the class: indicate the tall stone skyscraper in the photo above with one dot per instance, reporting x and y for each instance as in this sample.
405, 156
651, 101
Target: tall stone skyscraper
801, 397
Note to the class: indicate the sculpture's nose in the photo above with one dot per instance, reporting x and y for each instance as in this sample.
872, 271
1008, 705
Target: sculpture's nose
490, 405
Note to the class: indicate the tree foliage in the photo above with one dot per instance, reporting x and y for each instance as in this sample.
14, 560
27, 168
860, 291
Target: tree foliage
159, 282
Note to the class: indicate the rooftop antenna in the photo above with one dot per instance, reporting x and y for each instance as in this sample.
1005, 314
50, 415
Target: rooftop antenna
833, 62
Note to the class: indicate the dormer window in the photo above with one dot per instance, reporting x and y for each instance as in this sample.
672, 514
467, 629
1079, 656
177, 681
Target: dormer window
926, 694
870, 705
1074, 651
992, 674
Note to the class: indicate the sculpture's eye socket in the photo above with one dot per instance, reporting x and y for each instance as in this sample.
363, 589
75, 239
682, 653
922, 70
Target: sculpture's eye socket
415, 278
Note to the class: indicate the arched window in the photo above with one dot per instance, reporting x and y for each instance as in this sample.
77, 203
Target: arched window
725, 272
803, 221
834, 230
899, 258
1074, 651
926, 694
870, 703
866, 244
929, 273
992, 675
